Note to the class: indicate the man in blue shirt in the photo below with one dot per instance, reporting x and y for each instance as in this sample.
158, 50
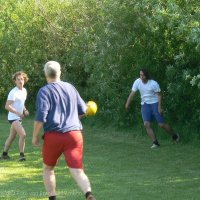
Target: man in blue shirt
59, 107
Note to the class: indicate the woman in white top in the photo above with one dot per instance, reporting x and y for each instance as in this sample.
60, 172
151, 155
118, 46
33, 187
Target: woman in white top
15, 104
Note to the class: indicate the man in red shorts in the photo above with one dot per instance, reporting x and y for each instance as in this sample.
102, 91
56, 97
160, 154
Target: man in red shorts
59, 107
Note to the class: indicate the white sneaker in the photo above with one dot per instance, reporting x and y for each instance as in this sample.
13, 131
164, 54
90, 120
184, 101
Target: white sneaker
154, 146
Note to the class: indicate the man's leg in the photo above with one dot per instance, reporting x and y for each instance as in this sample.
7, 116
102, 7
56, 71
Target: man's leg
49, 181
83, 182
160, 119
81, 179
150, 131
151, 134
170, 131
167, 128
22, 135
8, 142
73, 156
146, 112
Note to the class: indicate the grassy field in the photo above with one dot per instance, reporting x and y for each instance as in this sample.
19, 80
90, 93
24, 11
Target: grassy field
120, 165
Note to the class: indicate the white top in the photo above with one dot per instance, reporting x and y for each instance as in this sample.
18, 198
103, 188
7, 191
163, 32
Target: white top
147, 90
18, 97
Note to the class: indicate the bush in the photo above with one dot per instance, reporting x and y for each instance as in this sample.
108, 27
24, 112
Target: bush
101, 46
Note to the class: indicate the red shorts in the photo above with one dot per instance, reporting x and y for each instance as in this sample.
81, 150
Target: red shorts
70, 144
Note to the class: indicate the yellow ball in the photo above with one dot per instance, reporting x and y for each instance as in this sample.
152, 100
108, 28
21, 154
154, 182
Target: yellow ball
92, 108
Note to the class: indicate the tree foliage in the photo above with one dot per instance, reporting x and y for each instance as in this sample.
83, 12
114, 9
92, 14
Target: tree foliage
101, 46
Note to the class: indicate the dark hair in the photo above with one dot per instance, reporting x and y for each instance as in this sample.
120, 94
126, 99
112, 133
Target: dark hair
146, 73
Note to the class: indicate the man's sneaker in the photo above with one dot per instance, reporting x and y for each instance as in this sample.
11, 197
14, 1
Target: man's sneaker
5, 157
155, 144
176, 138
90, 197
22, 158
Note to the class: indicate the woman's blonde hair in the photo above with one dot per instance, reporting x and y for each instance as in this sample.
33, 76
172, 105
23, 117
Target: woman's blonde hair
25, 76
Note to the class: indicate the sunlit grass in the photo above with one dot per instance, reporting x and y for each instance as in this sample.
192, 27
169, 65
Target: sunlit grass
119, 163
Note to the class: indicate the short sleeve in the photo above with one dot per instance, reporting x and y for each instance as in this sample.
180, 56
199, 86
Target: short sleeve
156, 87
11, 96
135, 85
42, 105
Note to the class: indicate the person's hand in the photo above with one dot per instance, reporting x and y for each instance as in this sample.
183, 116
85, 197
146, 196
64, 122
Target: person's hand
126, 106
21, 115
35, 141
26, 113
81, 116
160, 110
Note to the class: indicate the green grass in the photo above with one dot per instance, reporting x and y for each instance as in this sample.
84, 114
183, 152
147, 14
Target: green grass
119, 163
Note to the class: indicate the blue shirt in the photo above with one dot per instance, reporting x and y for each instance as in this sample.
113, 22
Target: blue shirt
58, 106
